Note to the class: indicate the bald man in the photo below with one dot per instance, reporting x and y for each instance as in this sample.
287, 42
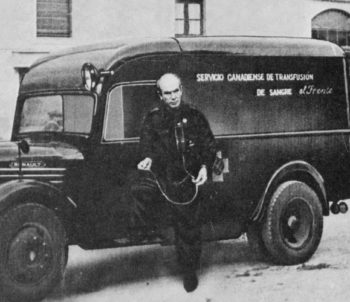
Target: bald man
162, 154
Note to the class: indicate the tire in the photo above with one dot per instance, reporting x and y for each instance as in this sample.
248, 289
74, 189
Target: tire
32, 252
293, 227
256, 243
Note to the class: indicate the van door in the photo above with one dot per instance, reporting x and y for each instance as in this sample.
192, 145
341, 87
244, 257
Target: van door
128, 100
126, 106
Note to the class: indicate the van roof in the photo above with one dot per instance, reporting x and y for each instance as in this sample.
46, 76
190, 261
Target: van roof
61, 70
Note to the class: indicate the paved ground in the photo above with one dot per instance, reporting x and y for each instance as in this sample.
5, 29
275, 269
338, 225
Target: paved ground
228, 273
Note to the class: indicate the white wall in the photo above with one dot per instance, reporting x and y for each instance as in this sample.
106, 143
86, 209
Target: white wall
110, 19
91, 21
269, 17
255, 17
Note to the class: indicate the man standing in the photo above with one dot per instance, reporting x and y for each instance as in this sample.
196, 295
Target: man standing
175, 141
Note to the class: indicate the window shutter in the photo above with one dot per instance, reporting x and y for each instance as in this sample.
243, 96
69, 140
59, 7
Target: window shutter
53, 18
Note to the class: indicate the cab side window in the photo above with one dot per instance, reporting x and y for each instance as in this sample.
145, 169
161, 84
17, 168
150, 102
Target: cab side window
78, 112
114, 120
127, 106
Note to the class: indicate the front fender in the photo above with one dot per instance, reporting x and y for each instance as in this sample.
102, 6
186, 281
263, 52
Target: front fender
295, 170
20, 191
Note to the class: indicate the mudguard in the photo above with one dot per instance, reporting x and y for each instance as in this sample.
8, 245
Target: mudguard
295, 170
20, 191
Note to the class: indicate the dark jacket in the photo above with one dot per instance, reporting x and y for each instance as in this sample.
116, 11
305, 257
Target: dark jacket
159, 142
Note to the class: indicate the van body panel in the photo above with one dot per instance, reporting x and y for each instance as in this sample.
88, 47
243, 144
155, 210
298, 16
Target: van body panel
301, 170
269, 101
103, 56
106, 55
262, 46
283, 133
262, 157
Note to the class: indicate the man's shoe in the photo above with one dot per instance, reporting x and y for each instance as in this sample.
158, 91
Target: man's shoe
190, 282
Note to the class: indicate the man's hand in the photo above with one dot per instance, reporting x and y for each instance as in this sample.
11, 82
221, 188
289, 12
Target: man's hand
202, 176
145, 164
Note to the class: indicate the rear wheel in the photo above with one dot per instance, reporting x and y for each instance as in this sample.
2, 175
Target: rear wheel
293, 227
32, 252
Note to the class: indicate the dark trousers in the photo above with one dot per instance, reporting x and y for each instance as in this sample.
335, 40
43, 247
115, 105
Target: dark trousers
149, 209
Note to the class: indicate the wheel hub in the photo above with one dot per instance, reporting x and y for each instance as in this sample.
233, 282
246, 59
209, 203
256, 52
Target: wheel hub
30, 254
297, 223
293, 223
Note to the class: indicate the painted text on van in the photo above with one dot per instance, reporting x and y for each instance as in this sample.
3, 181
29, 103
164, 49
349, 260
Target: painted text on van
294, 77
210, 77
245, 77
279, 92
311, 89
275, 92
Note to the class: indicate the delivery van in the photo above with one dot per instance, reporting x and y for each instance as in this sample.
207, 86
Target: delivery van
279, 110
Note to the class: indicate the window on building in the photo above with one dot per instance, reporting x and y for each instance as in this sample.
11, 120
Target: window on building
189, 18
332, 25
53, 18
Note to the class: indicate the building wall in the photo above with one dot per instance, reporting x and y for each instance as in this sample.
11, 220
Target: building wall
94, 21
91, 21
113, 18
267, 18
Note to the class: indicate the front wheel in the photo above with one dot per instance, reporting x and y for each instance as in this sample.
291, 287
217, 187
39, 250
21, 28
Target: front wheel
32, 252
293, 227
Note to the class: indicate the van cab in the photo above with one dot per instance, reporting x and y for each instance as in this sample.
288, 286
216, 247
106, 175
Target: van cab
279, 110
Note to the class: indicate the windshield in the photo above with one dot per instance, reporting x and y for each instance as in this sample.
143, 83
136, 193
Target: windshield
57, 113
